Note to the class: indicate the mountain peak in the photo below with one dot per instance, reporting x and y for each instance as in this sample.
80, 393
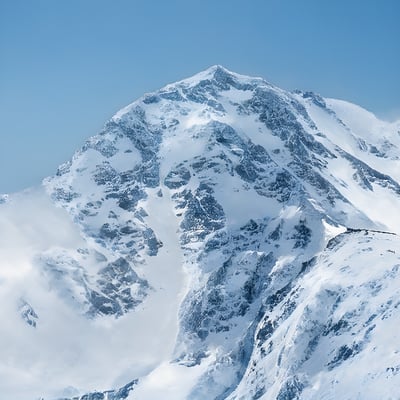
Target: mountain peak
220, 74
231, 215
210, 82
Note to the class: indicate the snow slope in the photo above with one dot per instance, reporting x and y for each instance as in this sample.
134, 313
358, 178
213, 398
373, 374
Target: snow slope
340, 341
216, 240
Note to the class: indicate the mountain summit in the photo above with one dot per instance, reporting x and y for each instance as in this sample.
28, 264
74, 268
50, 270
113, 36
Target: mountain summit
220, 238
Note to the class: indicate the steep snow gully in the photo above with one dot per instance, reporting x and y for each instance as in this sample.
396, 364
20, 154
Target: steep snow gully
220, 238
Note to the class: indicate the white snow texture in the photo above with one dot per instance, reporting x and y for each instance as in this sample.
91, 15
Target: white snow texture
221, 238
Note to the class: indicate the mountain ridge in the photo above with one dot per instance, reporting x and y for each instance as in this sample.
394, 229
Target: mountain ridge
200, 212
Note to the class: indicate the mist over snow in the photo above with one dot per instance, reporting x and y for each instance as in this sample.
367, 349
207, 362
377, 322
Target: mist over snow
220, 238
65, 346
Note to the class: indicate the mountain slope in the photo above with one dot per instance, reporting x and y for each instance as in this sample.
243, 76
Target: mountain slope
216, 240
333, 335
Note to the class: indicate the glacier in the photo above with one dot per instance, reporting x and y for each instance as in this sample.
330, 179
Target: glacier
220, 238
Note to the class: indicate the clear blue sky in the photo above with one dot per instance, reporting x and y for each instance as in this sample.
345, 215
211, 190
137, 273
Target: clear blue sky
67, 65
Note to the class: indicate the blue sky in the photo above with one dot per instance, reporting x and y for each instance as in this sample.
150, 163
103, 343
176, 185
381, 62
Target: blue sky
67, 66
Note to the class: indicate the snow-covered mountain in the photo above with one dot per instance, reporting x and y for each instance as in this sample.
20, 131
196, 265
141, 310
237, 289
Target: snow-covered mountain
219, 239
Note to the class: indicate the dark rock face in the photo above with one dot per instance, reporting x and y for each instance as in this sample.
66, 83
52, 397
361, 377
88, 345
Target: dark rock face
3, 198
315, 98
177, 178
281, 116
115, 281
65, 195
117, 394
302, 235
203, 214
343, 353
110, 294
104, 146
215, 307
27, 313
291, 390
366, 175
